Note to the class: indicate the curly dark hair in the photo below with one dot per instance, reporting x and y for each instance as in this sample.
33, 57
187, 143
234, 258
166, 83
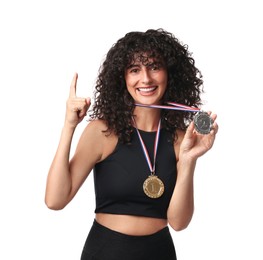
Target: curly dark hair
114, 104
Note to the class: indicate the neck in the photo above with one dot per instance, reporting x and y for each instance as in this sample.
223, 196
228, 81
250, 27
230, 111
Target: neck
147, 119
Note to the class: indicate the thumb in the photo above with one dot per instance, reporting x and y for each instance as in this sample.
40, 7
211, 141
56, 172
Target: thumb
88, 101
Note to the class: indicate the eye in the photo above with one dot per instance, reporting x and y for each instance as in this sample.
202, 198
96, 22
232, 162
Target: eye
134, 69
155, 67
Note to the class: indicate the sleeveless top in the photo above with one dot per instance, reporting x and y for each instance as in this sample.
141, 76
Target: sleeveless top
119, 179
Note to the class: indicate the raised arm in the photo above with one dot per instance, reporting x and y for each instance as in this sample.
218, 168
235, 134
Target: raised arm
63, 182
190, 148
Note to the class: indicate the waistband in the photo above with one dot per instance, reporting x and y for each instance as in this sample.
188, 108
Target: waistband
112, 234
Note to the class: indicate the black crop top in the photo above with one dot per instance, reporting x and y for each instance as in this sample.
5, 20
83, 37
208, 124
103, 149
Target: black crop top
119, 178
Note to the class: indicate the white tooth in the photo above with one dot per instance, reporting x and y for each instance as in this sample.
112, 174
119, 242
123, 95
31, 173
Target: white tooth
146, 89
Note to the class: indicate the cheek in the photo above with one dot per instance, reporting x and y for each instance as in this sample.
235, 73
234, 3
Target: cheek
165, 78
129, 81
130, 89
161, 77
165, 82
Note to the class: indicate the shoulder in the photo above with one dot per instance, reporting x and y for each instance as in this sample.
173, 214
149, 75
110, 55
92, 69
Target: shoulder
180, 135
177, 143
96, 137
96, 127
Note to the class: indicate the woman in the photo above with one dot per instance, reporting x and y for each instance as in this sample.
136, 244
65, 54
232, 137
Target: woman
143, 157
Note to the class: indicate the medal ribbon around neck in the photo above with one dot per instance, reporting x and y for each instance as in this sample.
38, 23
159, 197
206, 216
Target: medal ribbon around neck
173, 106
202, 121
153, 187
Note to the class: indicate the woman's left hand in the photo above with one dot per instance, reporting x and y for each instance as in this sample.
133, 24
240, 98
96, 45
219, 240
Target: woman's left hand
194, 144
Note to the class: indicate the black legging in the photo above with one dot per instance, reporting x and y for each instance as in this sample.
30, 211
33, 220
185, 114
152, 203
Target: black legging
105, 244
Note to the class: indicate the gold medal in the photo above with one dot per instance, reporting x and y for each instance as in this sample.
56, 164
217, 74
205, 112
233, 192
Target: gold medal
153, 187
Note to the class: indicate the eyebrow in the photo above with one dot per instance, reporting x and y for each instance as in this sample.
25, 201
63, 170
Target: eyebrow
147, 65
133, 65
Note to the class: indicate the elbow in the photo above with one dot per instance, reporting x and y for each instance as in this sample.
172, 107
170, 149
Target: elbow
54, 205
178, 221
178, 226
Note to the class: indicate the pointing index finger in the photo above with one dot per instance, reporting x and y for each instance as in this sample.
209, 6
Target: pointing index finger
73, 86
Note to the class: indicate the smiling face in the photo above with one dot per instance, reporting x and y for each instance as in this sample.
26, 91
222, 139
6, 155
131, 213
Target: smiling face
146, 81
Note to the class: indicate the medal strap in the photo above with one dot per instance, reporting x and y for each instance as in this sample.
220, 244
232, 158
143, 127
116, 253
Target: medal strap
171, 106
146, 154
202, 121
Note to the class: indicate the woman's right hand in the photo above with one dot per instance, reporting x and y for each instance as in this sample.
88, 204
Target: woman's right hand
76, 107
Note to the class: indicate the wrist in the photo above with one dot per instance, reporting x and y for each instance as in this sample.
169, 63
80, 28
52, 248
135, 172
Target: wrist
185, 158
68, 128
186, 164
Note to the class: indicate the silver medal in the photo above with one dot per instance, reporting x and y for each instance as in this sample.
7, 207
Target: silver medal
203, 122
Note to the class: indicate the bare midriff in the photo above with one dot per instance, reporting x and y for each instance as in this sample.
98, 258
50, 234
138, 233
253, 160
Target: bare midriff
131, 225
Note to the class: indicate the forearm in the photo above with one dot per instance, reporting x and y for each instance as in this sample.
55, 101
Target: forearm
181, 206
59, 180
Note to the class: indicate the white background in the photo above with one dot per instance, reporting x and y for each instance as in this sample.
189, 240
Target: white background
44, 42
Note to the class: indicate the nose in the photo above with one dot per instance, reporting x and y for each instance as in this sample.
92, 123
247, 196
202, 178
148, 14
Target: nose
146, 77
